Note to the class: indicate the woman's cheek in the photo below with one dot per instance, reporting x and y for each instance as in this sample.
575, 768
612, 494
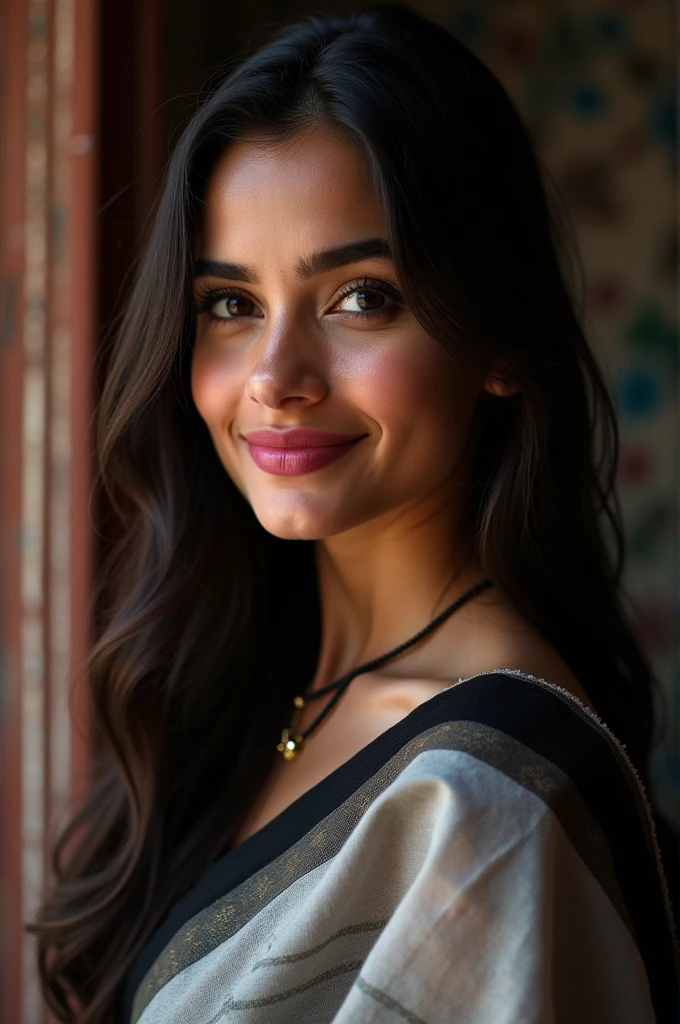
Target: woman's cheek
215, 390
404, 382
213, 386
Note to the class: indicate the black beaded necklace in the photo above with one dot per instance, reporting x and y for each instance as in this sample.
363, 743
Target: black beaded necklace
291, 742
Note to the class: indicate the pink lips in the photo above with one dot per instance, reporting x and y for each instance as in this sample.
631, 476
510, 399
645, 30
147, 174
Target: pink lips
297, 451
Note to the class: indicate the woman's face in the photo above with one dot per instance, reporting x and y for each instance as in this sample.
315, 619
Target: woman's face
293, 335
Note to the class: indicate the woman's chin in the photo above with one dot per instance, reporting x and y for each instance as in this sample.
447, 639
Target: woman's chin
297, 528
300, 521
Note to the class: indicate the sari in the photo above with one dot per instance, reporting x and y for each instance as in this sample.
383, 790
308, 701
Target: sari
490, 859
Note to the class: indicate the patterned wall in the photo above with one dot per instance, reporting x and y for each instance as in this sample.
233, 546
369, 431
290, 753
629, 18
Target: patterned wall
596, 85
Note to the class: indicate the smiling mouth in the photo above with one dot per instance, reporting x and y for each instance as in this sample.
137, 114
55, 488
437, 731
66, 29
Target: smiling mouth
296, 452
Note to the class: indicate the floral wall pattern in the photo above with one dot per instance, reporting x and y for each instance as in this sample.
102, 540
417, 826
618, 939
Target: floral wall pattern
596, 85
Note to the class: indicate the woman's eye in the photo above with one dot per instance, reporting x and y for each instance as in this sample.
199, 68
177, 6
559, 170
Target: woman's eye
366, 300
369, 300
229, 307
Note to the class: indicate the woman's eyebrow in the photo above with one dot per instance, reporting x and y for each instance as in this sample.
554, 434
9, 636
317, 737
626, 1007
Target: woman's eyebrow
307, 266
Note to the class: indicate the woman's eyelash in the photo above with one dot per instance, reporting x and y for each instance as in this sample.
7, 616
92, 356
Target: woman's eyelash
206, 300
369, 284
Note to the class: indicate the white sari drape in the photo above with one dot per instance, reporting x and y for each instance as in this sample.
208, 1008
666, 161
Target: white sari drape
465, 880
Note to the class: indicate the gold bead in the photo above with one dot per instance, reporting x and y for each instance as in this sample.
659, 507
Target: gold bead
289, 745
299, 702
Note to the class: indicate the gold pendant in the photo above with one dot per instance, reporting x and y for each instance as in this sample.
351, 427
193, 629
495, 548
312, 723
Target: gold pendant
291, 744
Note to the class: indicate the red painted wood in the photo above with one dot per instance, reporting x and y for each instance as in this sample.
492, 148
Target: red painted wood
70, 227
12, 127
102, 173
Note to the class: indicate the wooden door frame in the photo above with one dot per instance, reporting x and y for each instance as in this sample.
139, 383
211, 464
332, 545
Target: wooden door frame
48, 198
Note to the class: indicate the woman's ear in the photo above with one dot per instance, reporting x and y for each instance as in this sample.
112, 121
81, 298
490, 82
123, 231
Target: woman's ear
495, 384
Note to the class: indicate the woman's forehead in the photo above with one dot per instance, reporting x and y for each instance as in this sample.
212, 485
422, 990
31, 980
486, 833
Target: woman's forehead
297, 198
319, 165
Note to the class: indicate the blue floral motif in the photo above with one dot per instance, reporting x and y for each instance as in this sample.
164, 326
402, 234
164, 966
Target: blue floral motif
639, 393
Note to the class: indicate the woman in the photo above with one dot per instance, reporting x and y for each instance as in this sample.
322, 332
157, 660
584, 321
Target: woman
349, 431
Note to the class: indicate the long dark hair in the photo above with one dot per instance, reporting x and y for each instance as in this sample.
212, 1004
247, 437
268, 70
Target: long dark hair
188, 698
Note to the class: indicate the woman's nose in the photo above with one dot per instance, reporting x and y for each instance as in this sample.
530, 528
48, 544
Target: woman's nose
286, 372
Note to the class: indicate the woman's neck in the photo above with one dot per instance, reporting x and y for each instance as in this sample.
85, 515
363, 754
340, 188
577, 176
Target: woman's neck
381, 582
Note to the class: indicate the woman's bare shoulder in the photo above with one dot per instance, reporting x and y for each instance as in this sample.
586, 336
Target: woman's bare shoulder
500, 637
491, 635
